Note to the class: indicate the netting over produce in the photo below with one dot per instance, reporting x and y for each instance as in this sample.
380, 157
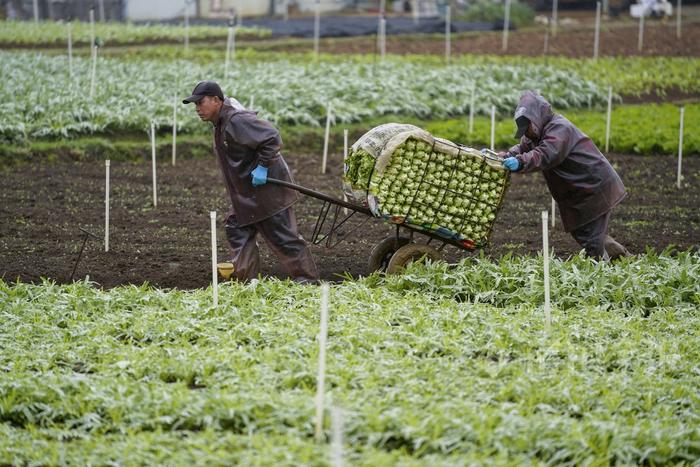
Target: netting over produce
407, 176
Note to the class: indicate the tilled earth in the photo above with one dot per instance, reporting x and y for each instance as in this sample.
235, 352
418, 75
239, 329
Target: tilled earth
44, 206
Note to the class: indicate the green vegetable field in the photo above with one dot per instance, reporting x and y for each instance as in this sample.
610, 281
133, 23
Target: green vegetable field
442, 366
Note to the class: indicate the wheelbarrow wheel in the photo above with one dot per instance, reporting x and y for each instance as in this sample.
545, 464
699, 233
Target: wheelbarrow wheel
383, 251
410, 253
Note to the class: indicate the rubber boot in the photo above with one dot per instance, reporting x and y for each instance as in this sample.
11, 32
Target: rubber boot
614, 249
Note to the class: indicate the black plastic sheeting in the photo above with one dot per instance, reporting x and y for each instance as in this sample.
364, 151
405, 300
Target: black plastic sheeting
348, 26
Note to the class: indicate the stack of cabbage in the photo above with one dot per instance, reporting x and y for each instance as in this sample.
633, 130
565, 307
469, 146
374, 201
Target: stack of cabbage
406, 176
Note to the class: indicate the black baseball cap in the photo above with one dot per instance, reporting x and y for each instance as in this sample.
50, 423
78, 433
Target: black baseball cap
523, 124
204, 88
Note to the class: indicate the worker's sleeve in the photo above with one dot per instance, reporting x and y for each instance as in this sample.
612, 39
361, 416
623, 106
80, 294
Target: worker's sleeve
523, 146
250, 131
550, 152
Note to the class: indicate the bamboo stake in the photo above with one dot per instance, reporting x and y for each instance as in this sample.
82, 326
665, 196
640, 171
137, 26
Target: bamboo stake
448, 34
153, 161
493, 127
174, 155
325, 138
596, 40
107, 205
680, 150
545, 255
214, 278
607, 121
640, 38
506, 26
320, 386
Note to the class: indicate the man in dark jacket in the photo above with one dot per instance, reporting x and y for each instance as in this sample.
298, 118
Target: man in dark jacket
580, 178
248, 151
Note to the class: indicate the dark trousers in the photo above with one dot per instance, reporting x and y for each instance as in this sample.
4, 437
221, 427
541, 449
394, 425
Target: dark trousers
592, 236
282, 236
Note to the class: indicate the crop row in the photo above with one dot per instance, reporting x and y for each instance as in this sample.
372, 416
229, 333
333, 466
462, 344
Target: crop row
444, 365
40, 99
56, 33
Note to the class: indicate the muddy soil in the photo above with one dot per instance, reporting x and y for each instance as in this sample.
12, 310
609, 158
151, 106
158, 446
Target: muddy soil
43, 208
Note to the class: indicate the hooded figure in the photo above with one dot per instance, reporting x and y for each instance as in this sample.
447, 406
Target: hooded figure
247, 148
579, 177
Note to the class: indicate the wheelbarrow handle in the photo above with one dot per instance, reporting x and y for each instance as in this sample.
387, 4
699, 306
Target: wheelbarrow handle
321, 196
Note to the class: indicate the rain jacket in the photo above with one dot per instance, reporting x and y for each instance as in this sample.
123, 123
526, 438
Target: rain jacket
580, 178
241, 142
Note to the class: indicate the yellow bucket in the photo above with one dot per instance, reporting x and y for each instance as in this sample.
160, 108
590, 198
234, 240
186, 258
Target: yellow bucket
225, 270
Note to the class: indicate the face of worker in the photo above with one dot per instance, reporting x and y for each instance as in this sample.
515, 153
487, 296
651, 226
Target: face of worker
530, 133
208, 108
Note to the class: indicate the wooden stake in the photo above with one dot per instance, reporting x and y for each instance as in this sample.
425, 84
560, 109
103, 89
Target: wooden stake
317, 27
607, 121
320, 386
325, 138
174, 155
640, 38
493, 127
545, 256
596, 40
107, 205
506, 25
214, 277
471, 109
680, 150
448, 34
153, 161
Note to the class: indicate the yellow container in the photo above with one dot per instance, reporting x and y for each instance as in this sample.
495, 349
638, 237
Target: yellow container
225, 270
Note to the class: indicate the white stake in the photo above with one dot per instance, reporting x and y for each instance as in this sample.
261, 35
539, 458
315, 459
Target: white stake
640, 39
545, 49
93, 71
382, 38
239, 11
214, 278
187, 28
678, 20
506, 25
493, 127
92, 27
555, 17
448, 34
153, 161
596, 40
680, 149
175, 100
101, 4
325, 138
336, 437
317, 27
607, 122
345, 157
35, 5
286, 10
545, 255
229, 40
70, 49
320, 386
471, 109
415, 12
107, 205
252, 102
554, 211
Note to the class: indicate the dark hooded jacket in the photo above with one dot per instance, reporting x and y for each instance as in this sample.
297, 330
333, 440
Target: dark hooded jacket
580, 178
241, 142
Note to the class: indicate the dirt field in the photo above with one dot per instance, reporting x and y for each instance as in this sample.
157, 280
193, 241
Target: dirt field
43, 208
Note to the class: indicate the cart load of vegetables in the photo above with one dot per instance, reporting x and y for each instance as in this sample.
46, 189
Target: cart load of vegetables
407, 176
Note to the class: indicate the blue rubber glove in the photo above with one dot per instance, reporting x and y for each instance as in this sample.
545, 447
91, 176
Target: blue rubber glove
511, 163
259, 175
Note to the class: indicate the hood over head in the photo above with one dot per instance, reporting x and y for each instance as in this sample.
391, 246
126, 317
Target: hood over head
535, 108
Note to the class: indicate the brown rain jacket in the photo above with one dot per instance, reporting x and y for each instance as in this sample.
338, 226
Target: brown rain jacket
241, 142
580, 178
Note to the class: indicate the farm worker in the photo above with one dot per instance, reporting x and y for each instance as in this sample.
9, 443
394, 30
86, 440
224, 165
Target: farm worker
248, 150
579, 177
